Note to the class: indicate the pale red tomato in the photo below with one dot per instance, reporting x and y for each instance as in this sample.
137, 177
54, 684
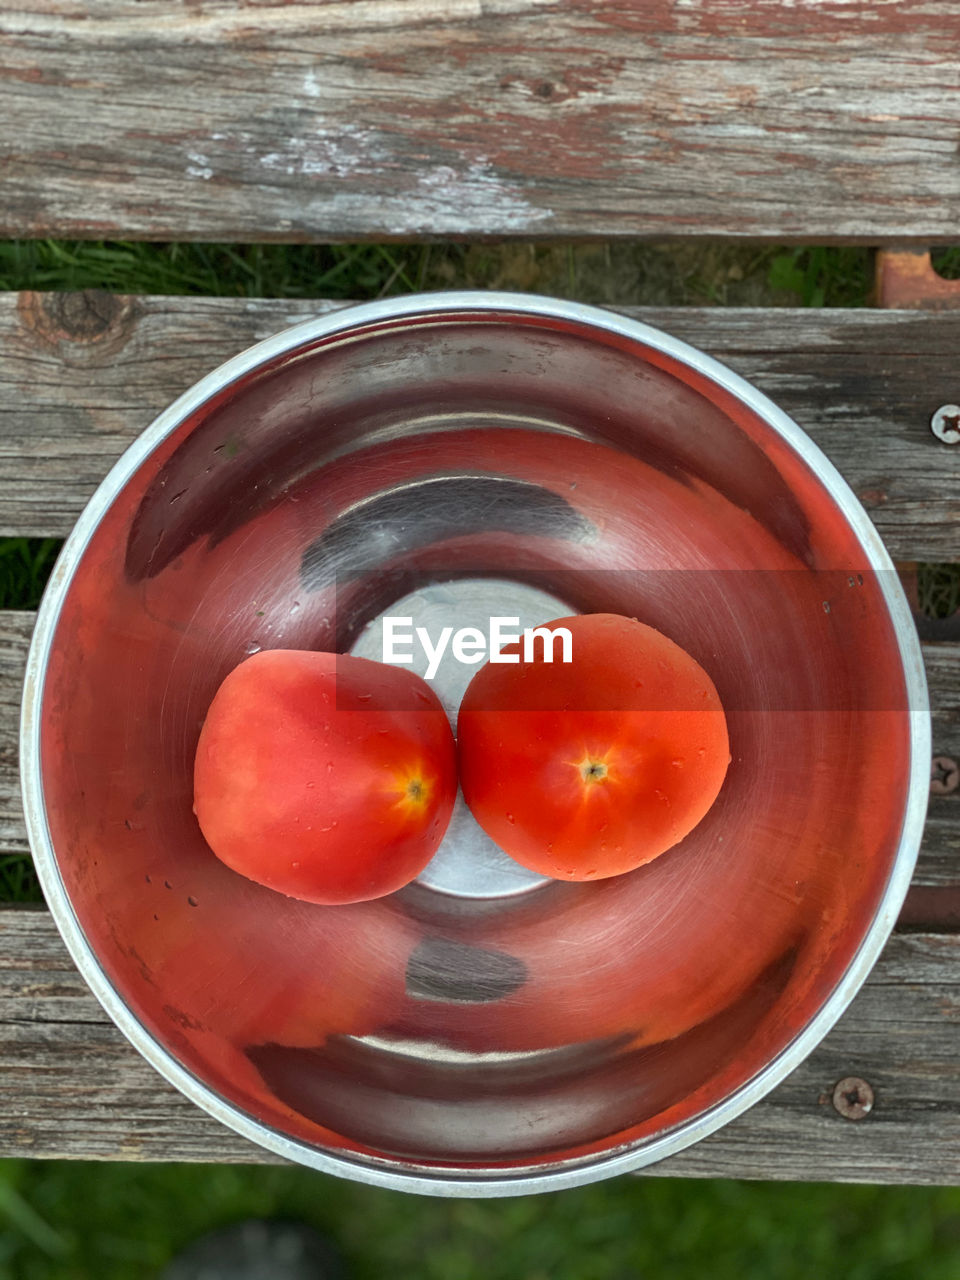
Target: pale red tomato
590, 768
326, 777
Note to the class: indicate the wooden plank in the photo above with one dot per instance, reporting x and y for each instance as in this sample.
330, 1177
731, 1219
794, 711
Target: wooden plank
939, 861
938, 864
72, 1087
82, 374
15, 632
417, 118
64, 1066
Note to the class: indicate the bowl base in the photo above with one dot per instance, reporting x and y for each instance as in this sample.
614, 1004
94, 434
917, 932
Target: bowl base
468, 864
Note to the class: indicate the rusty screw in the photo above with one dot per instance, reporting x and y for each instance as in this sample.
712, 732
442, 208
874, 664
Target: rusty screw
945, 423
852, 1098
944, 775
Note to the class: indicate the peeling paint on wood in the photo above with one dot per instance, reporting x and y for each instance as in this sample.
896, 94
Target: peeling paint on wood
831, 120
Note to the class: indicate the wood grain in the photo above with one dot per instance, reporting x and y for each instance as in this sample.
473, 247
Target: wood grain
72, 1087
424, 118
939, 861
15, 632
82, 374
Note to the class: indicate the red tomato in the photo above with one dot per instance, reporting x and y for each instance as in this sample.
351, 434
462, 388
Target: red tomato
589, 768
328, 778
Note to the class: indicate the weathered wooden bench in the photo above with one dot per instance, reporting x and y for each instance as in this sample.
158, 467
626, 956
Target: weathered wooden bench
823, 121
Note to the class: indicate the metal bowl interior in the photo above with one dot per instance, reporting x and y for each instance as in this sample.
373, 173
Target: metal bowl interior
478, 1042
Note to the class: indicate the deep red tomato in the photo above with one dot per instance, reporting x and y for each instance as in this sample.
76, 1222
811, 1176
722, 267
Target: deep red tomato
589, 768
328, 778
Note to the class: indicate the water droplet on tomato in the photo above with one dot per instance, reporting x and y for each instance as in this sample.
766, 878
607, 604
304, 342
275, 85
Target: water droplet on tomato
364, 697
252, 648
677, 764
511, 819
329, 766
294, 865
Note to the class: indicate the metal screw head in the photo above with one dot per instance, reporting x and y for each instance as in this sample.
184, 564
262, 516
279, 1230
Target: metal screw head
944, 775
852, 1098
945, 423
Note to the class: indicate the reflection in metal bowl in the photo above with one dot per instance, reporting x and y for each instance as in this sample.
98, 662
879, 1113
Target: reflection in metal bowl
478, 1042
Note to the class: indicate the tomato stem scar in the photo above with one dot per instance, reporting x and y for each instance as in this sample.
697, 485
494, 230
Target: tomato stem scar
593, 770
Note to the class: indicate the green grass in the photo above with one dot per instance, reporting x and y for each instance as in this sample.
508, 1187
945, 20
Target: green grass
821, 277
18, 880
938, 589
25, 565
707, 273
62, 1221
947, 262
284, 271
614, 273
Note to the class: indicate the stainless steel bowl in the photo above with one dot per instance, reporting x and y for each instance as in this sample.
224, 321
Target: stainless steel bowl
482, 1032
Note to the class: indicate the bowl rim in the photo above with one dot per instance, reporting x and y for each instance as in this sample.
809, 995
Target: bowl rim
381, 1171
